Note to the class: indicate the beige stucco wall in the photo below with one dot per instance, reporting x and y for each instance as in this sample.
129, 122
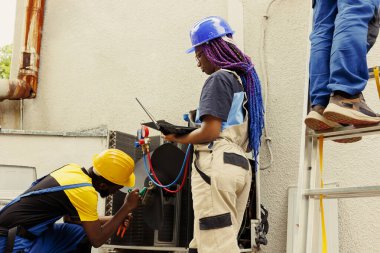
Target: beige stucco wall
97, 56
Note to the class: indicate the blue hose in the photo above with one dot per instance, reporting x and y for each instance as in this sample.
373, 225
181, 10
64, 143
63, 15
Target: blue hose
175, 180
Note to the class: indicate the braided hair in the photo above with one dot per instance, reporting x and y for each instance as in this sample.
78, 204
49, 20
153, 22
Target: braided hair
227, 55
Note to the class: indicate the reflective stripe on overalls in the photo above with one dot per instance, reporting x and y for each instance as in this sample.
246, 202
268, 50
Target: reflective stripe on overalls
220, 186
20, 239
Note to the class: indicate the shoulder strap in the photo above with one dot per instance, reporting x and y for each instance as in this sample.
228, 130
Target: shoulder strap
47, 190
235, 74
241, 83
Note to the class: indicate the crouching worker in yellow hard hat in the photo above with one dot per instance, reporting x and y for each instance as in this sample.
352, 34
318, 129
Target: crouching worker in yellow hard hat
27, 224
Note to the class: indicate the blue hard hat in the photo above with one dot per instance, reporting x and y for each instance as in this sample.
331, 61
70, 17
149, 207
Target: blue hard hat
207, 29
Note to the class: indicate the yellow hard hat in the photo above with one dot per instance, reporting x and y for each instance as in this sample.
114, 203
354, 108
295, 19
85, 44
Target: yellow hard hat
115, 166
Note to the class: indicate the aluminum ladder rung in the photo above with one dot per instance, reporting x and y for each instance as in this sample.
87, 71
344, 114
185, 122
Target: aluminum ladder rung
347, 132
344, 192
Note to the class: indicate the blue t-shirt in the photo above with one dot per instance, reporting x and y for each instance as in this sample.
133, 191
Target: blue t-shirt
222, 97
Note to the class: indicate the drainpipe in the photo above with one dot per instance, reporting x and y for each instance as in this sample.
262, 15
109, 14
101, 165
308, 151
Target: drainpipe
25, 86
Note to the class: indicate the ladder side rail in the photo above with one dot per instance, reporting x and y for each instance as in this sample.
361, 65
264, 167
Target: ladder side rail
304, 159
312, 226
301, 216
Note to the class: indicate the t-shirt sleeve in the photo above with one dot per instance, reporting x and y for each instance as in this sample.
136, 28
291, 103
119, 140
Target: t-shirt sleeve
85, 201
216, 97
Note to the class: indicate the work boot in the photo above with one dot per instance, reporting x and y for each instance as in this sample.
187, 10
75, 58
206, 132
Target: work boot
315, 120
351, 110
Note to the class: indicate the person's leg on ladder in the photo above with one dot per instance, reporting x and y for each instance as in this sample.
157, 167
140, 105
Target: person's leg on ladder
321, 39
348, 63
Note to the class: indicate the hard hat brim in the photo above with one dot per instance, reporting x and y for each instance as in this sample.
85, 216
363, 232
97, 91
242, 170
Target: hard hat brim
190, 50
131, 181
223, 36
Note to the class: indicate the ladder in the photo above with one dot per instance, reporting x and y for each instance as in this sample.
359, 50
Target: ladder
308, 191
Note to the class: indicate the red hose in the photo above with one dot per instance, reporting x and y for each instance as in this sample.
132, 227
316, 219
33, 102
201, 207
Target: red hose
155, 176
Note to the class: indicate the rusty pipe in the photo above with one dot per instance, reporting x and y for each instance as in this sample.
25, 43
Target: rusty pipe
25, 86
14, 89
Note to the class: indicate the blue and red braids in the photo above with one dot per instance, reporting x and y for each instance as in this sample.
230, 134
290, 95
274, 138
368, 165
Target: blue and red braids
228, 56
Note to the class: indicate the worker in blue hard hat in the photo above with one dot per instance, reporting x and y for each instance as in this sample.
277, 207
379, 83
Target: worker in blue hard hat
230, 117
343, 32
28, 223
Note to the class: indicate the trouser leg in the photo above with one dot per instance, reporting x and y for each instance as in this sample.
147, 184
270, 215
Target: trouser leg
218, 208
348, 62
61, 237
321, 37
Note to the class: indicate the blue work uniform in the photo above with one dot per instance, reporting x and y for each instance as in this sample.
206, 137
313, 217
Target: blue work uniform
343, 32
27, 224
